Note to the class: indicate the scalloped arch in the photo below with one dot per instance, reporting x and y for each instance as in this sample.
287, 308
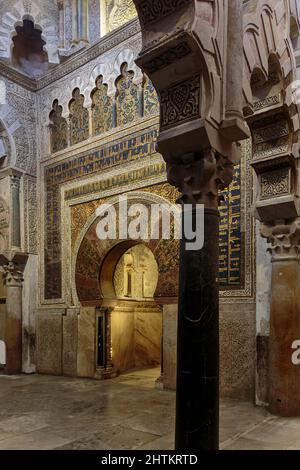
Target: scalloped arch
14, 16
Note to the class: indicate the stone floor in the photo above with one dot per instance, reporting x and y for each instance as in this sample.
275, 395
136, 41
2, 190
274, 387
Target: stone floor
43, 412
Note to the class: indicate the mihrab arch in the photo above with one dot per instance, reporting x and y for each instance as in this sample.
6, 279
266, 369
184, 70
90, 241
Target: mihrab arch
96, 259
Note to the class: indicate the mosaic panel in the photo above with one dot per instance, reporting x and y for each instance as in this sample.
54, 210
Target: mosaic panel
127, 100
118, 12
139, 146
102, 108
79, 119
58, 129
231, 236
151, 103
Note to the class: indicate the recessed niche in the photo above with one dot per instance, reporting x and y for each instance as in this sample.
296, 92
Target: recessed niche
28, 52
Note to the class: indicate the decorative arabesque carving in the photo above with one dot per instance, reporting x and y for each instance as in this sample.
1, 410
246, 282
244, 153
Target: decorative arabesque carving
119, 12
102, 108
180, 102
168, 57
79, 118
58, 129
275, 183
271, 136
127, 99
153, 10
151, 103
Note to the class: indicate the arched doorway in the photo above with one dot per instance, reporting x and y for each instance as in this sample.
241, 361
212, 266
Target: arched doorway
125, 285
136, 319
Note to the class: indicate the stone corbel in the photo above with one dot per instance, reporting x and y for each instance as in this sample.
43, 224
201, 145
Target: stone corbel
180, 55
275, 165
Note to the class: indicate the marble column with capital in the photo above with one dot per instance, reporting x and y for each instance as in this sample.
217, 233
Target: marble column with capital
199, 152
284, 372
13, 269
199, 178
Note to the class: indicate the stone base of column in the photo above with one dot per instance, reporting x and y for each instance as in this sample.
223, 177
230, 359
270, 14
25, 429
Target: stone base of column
103, 373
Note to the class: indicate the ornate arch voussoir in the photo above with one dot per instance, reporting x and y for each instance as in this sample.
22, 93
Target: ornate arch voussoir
128, 56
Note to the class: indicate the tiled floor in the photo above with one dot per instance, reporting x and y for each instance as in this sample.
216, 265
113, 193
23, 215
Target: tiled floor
42, 412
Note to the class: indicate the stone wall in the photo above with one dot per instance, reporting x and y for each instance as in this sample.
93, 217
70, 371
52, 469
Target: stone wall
237, 349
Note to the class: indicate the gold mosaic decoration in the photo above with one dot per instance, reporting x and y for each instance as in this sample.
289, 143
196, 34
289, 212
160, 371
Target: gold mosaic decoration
119, 12
79, 118
151, 103
102, 108
58, 129
127, 99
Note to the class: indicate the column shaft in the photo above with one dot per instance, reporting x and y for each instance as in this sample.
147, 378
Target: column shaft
284, 376
13, 330
15, 198
197, 401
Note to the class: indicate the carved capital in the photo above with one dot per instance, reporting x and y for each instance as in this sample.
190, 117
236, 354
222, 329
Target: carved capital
199, 177
12, 275
15, 181
284, 240
12, 266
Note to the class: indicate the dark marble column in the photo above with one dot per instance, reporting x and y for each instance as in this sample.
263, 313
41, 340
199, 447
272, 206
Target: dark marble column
197, 403
199, 178
200, 122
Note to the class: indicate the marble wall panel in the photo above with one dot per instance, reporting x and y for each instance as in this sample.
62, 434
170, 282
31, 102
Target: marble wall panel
169, 346
238, 350
86, 342
122, 335
70, 343
148, 337
49, 343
